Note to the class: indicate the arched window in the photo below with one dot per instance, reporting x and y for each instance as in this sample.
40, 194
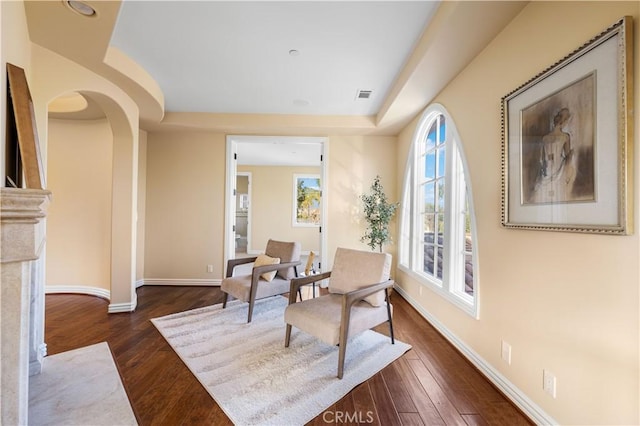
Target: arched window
437, 232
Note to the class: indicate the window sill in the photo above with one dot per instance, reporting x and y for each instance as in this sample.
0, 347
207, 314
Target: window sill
469, 308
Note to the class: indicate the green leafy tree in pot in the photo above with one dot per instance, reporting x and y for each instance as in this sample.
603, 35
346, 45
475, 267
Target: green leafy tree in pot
378, 212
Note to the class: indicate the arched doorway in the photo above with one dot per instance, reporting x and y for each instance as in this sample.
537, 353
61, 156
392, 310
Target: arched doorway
92, 169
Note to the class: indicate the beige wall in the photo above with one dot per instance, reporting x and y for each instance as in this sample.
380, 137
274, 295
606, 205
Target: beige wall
185, 205
185, 199
565, 302
354, 162
79, 219
272, 207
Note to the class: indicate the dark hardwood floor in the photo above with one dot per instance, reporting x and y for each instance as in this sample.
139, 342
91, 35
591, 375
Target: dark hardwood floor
432, 384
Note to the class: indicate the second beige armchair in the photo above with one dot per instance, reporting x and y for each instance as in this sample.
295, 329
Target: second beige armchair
267, 277
357, 301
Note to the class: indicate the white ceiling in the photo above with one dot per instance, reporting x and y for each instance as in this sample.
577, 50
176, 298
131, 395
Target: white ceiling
225, 67
233, 57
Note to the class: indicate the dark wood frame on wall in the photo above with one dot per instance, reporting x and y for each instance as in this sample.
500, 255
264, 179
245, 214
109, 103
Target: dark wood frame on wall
23, 155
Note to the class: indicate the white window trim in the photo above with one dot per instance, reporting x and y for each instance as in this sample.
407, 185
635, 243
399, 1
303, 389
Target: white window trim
456, 296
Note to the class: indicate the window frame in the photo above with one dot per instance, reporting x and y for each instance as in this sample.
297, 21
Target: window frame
410, 249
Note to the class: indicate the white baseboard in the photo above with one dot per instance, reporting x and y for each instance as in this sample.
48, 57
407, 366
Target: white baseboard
94, 291
182, 282
505, 386
78, 289
116, 308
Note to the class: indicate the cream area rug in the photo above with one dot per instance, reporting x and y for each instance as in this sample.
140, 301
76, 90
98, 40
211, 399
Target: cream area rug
253, 377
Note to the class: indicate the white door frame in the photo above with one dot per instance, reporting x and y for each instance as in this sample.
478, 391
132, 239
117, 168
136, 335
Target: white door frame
230, 201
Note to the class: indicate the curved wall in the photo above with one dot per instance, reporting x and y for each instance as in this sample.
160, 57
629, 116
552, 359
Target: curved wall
79, 219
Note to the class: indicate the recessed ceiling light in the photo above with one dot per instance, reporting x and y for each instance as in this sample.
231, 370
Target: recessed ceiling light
294, 52
81, 7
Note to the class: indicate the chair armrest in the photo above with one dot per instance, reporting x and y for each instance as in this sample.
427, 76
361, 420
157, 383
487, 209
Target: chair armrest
296, 283
348, 300
232, 263
353, 296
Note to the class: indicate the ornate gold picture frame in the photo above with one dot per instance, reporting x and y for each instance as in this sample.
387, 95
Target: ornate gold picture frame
567, 140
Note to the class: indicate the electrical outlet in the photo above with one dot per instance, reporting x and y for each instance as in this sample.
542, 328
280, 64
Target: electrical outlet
506, 352
209, 268
549, 383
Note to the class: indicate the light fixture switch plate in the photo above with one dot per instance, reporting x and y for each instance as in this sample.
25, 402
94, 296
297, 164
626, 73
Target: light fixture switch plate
506, 352
549, 383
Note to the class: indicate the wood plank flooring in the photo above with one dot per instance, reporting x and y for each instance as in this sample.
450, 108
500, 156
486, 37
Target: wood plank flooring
432, 384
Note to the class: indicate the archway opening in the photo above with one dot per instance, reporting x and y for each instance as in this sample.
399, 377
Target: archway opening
92, 168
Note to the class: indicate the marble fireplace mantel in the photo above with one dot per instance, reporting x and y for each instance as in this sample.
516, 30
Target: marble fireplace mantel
21, 297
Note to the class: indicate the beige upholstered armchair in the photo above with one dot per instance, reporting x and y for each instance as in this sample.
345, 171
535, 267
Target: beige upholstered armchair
270, 275
358, 300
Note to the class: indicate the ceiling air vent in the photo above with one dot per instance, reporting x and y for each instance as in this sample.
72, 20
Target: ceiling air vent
363, 94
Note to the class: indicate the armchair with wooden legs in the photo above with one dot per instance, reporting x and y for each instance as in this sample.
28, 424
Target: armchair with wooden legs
358, 300
270, 275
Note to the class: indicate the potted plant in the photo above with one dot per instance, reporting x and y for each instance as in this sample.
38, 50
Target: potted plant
378, 213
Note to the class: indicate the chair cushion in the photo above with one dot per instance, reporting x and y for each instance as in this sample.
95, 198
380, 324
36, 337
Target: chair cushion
287, 252
240, 287
262, 260
321, 317
353, 269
